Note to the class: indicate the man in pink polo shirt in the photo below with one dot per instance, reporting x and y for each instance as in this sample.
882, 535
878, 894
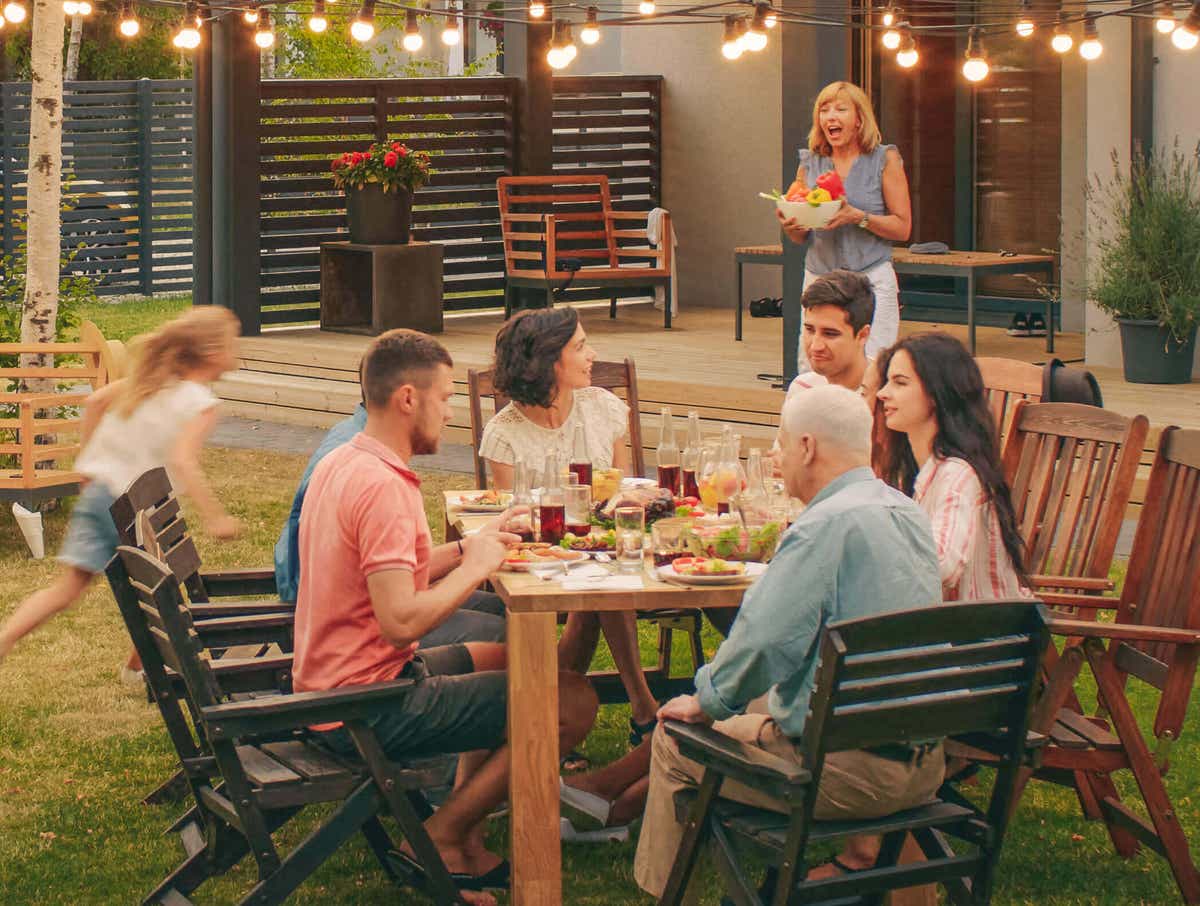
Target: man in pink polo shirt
372, 584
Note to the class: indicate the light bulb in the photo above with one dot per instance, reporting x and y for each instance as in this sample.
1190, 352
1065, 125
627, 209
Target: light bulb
731, 46
1062, 40
891, 39
70, 7
755, 38
1025, 28
975, 69
1091, 48
1165, 23
451, 34
264, 35
412, 32
537, 9
889, 17
188, 36
646, 7
317, 24
251, 15
85, 8
1185, 38
413, 43
908, 56
129, 26
15, 12
362, 30
771, 19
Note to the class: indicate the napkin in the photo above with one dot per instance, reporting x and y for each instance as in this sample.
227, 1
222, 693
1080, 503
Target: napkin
606, 582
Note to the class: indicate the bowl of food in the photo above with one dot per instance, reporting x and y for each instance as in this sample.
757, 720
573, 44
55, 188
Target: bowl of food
526, 556
810, 208
726, 538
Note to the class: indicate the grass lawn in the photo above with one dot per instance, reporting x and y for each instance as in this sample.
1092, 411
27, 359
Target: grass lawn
126, 319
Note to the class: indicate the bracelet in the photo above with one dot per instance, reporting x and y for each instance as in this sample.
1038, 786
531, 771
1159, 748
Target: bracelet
460, 548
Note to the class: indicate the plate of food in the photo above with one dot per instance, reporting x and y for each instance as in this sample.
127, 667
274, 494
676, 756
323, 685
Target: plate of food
489, 501
524, 556
709, 571
593, 543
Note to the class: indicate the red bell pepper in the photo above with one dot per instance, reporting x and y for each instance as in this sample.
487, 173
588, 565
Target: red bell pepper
832, 183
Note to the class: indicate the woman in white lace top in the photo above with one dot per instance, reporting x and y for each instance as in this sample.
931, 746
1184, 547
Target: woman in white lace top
544, 365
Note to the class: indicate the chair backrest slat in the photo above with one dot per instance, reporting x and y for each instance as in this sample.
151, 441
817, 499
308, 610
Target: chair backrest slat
614, 376
1006, 382
579, 203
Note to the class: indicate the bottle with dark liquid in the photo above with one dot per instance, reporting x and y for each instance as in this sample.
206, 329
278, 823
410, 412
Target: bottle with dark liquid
581, 462
552, 515
668, 454
689, 462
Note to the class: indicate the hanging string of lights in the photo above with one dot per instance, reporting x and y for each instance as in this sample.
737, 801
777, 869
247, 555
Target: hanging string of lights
744, 30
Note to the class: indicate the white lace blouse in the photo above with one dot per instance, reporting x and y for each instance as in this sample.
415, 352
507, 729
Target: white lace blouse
511, 435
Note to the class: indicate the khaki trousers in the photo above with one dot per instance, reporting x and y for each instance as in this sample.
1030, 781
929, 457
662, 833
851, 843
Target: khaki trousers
854, 785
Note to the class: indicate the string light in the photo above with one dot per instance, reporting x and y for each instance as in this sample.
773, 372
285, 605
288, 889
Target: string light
1165, 23
362, 29
646, 7
771, 19
1062, 41
129, 25
908, 56
188, 36
569, 48
756, 35
451, 34
731, 47
264, 35
537, 9
1025, 26
1187, 35
317, 23
15, 12
976, 66
556, 56
891, 38
889, 17
251, 15
412, 32
590, 33
1091, 48
71, 7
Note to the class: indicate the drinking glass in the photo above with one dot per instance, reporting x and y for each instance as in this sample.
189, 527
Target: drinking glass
630, 527
577, 501
666, 540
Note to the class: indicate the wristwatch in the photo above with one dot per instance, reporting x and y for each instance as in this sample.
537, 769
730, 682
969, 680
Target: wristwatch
863, 223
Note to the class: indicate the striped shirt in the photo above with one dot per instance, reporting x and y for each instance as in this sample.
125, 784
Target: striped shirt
966, 531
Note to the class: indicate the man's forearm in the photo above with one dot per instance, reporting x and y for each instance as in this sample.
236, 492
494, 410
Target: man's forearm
444, 558
433, 606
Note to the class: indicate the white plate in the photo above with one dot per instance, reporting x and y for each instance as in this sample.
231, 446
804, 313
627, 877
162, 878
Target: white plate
809, 216
628, 484
522, 566
463, 505
666, 572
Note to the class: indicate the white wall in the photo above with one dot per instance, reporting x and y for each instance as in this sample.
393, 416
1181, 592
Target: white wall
721, 147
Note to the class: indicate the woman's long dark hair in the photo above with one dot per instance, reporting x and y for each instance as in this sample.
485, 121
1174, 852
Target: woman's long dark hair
527, 348
966, 429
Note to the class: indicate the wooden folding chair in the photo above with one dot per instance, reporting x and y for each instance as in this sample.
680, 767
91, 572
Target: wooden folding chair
259, 766
617, 377
1006, 382
562, 230
1155, 639
896, 679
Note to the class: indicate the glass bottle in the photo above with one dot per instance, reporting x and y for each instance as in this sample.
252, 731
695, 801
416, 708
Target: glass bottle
580, 463
668, 454
552, 514
690, 460
522, 496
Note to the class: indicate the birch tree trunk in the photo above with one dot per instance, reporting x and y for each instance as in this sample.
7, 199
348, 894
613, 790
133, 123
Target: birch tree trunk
72, 70
39, 312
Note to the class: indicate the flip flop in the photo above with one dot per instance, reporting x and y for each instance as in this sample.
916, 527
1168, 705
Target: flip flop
497, 878
585, 810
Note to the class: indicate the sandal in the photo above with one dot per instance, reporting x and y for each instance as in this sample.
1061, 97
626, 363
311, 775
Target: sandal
498, 878
575, 762
638, 732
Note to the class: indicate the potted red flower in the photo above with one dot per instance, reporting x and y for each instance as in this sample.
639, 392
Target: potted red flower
379, 185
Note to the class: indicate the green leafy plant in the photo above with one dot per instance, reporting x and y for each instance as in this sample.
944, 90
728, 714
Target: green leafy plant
390, 164
1148, 266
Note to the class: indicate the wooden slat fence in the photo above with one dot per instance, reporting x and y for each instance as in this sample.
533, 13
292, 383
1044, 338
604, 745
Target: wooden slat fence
604, 124
127, 151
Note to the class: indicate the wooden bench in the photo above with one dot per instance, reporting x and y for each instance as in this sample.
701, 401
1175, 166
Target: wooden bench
26, 415
560, 230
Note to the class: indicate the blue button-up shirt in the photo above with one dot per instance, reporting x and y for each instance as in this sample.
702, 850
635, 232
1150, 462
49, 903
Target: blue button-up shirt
287, 548
860, 548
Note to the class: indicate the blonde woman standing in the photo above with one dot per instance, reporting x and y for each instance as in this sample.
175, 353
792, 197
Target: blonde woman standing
877, 212
159, 416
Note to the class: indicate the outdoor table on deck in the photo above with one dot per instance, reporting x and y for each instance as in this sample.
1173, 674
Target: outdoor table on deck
533, 606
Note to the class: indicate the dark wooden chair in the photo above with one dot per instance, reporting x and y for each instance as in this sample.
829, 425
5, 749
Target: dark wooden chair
614, 376
1155, 639
1006, 382
560, 231
258, 766
966, 669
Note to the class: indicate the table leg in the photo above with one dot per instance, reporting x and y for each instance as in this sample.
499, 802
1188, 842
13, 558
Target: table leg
737, 334
971, 311
533, 738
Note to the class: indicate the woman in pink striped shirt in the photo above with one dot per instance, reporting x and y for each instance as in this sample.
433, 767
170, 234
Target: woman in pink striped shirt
939, 447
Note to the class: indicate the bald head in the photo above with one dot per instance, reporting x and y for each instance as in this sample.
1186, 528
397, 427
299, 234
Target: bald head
825, 431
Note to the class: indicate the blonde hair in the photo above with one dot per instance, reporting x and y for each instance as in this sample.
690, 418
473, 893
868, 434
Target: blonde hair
176, 348
868, 130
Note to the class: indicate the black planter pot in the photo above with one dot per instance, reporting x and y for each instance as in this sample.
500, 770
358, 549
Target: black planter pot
1152, 356
376, 217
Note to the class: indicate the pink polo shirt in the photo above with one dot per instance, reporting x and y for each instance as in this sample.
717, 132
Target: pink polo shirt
363, 513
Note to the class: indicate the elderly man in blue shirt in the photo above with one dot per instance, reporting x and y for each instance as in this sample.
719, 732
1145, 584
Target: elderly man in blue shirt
860, 548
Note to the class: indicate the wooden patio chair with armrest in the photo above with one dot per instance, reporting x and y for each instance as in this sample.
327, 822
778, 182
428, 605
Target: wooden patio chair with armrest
1155, 639
614, 376
260, 766
1006, 382
562, 230
897, 680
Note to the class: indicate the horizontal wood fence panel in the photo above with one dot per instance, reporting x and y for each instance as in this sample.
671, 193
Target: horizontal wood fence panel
127, 157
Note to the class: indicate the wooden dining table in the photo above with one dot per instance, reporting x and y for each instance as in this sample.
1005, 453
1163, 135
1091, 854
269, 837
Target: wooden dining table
533, 605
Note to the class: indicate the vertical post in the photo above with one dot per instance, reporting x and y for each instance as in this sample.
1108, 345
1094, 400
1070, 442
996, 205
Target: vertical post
1141, 72
525, 49
812, 57
7, 211
381, 127
964, 156
145, 97
237, 91
202, 186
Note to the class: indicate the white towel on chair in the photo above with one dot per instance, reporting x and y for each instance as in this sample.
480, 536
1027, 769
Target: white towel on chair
654, 234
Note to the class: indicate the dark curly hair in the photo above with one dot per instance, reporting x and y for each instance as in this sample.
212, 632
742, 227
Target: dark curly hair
966, 429
527, 348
